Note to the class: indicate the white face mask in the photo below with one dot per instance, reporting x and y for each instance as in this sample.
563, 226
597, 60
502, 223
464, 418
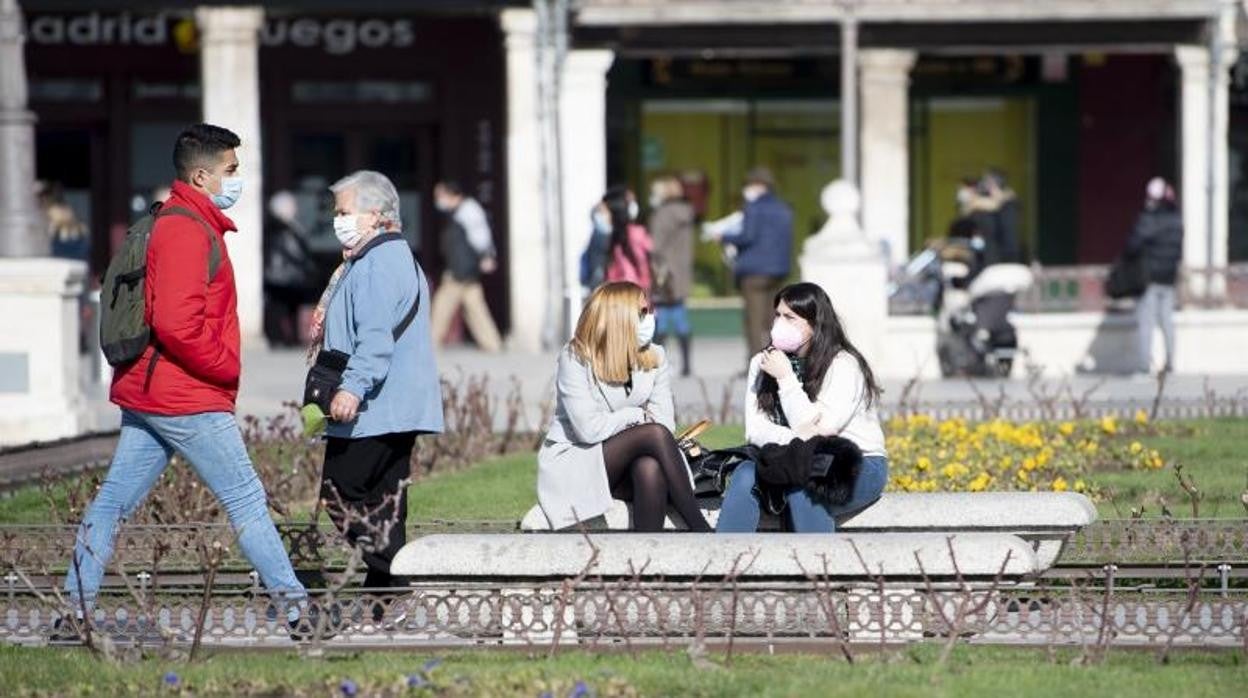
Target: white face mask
751, 194
347, 230
633, 210
645, 331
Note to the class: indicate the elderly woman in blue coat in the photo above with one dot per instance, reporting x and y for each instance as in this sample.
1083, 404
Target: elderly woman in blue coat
378, 315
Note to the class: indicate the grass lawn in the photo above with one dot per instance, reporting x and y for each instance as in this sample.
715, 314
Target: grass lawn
910, 672
1216, 457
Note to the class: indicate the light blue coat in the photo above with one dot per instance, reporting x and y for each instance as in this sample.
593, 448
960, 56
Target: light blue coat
397, 383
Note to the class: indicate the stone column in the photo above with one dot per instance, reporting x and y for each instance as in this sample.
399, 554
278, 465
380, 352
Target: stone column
886, 148
583, 125
1193, 62
1204, 201
851, 269
229, 73
527, 261
21, 223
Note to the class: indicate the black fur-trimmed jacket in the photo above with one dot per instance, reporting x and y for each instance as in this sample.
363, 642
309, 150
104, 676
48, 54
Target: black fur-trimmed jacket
826, 466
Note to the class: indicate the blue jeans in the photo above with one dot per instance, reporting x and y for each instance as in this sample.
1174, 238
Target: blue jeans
672, 318
741, 508
213, 445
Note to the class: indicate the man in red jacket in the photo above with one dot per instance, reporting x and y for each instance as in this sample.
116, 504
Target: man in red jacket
179, 395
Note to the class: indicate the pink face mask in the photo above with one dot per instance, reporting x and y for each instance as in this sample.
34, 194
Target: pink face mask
786, 337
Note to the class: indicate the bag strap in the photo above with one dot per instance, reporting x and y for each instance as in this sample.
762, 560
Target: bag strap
411, 314
214, 264
214, 249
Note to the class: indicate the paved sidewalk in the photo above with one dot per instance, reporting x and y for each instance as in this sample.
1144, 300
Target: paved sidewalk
271, 377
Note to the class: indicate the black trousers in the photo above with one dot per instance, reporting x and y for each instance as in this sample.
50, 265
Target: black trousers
366, 474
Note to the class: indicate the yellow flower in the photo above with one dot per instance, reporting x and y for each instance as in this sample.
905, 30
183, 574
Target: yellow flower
1067, 428
980, 483
1081, 486
1029, 464
1059, 485
1109, 425
1023, 476
955, 470
1136, 447
923, 463
1141, 417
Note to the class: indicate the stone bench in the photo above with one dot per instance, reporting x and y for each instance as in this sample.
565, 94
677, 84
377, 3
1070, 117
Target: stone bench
526, 557
1046, 520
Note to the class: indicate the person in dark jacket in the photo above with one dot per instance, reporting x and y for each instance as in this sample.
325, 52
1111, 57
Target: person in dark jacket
1002, 226
764, 253
468, 247
1158, 237
671, 228
179, 396
288, 270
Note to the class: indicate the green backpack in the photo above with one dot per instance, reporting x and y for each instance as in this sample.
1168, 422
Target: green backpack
124, 332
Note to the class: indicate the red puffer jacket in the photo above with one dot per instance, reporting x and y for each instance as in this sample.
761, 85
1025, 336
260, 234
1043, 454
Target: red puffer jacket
194, 320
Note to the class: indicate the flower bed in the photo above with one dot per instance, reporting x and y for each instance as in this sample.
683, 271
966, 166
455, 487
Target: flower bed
957, 456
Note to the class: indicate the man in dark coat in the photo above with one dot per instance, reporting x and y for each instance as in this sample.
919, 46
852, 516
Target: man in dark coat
764, 254
1158, 238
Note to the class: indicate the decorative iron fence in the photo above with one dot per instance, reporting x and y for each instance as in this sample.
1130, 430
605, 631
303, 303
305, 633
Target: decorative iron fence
47, 550
592, 614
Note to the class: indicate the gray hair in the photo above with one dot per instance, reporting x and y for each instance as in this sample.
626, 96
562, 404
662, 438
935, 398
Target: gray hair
373, 192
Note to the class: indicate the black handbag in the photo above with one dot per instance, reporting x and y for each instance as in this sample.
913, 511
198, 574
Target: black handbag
325, 376
710, 469
1128, 277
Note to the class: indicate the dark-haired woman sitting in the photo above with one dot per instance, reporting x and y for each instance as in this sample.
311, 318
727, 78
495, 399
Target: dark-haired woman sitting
809, 382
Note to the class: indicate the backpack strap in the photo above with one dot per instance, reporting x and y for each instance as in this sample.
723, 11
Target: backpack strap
214, 242
214, 264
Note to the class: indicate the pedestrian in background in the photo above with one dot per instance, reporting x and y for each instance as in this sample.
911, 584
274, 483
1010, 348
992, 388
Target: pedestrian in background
1158, 239
378, 317
1002, 230
764, 253
289, 271
67, 233
468, 249
628, 257
671, 228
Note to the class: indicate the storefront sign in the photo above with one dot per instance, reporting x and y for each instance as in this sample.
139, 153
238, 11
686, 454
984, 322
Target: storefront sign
336, 36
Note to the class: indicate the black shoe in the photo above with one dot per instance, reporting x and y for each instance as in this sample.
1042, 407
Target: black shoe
65, 631
304, 628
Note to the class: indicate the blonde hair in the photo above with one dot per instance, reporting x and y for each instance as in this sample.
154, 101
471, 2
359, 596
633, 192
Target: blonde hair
606, 334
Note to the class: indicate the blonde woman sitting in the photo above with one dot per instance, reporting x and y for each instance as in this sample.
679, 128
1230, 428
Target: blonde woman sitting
611, 434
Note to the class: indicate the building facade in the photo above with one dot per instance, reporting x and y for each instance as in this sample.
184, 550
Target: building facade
1079, 103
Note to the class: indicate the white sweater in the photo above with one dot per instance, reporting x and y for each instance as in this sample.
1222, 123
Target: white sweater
840, 409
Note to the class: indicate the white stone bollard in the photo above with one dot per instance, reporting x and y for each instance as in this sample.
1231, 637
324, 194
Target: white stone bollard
851, 268
39, 362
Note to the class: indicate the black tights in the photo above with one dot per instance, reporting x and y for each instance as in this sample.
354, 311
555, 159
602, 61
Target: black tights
644, 466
